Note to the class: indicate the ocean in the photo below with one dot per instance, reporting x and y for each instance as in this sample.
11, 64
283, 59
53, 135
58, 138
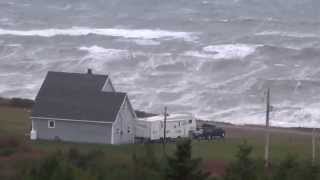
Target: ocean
214, 58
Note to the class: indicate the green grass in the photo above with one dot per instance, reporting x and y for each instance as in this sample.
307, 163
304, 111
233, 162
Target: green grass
15, 123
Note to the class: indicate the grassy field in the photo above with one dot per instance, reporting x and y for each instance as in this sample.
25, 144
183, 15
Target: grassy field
15, 122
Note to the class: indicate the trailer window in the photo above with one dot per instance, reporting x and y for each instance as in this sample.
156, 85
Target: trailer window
179, 123
190, 121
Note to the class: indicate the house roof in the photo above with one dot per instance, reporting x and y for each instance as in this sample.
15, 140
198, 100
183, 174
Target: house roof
68, 83
78, 97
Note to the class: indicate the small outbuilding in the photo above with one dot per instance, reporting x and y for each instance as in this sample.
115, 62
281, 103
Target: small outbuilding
79, 107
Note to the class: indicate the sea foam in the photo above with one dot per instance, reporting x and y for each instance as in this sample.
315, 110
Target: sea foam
287, 34
83, 31
97, 52
231, 51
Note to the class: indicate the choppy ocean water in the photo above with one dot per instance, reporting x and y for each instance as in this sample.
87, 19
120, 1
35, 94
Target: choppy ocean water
214, 58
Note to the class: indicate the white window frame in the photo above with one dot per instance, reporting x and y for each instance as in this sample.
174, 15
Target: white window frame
54, 124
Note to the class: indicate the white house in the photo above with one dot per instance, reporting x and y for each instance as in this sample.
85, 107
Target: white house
78, 107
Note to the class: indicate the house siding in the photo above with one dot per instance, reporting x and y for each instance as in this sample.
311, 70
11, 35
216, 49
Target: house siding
124, 126
87, 132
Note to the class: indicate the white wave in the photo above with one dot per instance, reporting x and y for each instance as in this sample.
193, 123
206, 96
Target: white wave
287, 34
146, 42
199, 54
280, 65
83, 31
141, 42
97, 52
63, 8
231, 51
14, 45
284, 115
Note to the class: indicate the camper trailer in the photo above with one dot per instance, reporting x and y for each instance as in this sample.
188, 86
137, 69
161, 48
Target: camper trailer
177, 126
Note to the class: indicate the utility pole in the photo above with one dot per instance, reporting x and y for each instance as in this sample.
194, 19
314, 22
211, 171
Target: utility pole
165, 129
267, 148
313, 145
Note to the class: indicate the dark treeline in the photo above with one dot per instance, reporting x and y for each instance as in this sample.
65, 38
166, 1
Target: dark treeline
96, 165
17, 102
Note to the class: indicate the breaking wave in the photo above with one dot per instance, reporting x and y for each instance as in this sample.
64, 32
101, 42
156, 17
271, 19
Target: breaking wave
83, 31
287, 34
98, 52
224, 51
231, 51
291, 116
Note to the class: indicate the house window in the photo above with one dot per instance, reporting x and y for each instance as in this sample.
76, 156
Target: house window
129, 130
118, 131
190, 121
51, 124
179, 123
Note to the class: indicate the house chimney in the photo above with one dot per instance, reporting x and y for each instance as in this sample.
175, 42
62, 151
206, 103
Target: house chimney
90, 71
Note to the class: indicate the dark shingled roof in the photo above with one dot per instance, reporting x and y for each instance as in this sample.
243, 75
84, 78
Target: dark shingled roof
77, 96
68, 83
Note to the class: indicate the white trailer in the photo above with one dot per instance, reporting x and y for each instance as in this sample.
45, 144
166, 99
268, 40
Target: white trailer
177, 125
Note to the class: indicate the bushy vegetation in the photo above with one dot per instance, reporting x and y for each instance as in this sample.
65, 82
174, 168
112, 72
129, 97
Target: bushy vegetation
291, 168
244, 168
99, 165
10, 146
183, 166
96, 165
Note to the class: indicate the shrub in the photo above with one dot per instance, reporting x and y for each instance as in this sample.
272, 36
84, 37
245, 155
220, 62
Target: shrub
11, 142
244, 168
55, 167
147, 166
182, 166
7, 151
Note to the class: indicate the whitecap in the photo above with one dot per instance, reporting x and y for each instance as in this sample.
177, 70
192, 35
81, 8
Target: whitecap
97, 52
231, 51
141, 42
84, 31
146, 42
199, 54
287, 34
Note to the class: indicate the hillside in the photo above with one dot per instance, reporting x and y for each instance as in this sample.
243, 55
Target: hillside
15, 125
